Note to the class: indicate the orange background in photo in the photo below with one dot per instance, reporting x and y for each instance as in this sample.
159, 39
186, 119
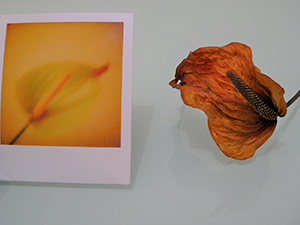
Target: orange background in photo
94, 44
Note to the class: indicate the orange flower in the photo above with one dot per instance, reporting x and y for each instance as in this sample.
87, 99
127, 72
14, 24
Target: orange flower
218, 80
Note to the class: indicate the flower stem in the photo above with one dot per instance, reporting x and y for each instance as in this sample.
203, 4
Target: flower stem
293, 99
20, 133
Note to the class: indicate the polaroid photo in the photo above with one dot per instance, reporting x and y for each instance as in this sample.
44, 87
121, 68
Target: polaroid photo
66, 97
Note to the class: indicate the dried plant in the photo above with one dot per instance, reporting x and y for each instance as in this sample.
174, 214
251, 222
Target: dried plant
241, 103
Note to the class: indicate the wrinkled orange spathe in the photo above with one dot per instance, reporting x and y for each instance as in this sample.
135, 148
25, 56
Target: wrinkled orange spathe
235, 126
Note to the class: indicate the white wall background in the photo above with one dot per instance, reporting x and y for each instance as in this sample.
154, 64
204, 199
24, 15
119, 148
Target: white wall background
179, 176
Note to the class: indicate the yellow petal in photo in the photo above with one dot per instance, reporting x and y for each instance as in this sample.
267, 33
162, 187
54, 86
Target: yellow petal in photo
58, 97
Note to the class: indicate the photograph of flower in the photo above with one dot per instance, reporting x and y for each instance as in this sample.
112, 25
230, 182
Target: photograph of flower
66, 97
61, 84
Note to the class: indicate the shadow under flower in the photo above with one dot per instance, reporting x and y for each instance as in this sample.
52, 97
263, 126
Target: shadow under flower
238, 184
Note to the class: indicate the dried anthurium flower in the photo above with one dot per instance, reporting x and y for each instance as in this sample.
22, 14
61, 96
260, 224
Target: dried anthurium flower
241, 103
